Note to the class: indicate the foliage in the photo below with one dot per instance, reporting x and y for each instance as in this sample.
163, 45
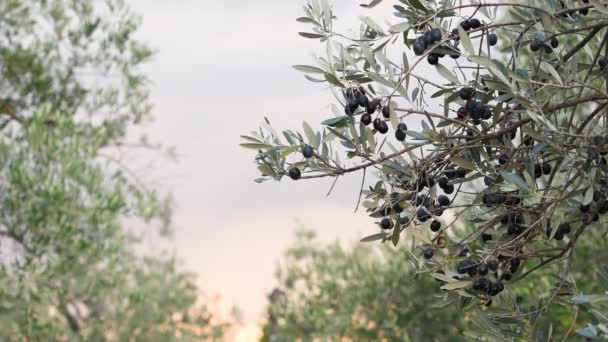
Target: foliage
361, 293
510, 145
71, 90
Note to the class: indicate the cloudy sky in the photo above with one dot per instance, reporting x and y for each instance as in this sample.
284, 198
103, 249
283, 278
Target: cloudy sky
222, 66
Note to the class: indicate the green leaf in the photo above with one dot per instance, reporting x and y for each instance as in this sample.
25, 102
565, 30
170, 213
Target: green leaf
466, 42
443, 277
516, 180
456, 285
464, 163
331, 78
372, 4
310, 35
447, 74
588, 196
255, 146
374, 237
310, 134
335, 122
371, 23
401, 27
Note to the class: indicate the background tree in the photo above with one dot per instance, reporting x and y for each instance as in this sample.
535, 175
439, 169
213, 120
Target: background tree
510, 143
359, 292
70, 91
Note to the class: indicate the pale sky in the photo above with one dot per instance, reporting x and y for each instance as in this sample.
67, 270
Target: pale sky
222, 66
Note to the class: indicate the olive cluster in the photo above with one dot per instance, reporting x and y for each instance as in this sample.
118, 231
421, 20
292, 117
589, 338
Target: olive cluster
473, 109
540, 41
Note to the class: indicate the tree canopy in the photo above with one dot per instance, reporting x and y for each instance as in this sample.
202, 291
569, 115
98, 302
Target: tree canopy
479, 131
71, 90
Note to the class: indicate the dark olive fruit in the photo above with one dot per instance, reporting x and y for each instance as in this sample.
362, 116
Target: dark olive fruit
584, 11
564, 228
418, 48
584, 208
366, 119
599, 140
494, 198
404, 221
450, 172
538, 171
295, 173
420, 40
482, 284
485, 237
373, 105
547, 48
382, 127
496, 288
443, 200
436, 35
435, 226
428, 39
506, 276
488, 181
422, 215
536, 44
546, 169
462, 112
514, 265
597, 196
455, 54
461, 173
464, 266
363, 100
350, 109
466, 25
463, 252
475, 23
554, 42
503, 159
487, 113
386, 111
402, 127
400, 135
602, 62
442, 182
482, 269
559, 236
455, 33
528, 140
308, 152
397, 208
492, 39
433, 59
395, 196
602, 207
428, 253
493, 264
466, 93
449, 189
377, 122
386, 223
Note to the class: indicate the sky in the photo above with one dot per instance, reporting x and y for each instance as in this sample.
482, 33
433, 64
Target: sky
221, 67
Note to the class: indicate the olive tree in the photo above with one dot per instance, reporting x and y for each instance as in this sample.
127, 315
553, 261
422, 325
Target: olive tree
71, 89
501, 174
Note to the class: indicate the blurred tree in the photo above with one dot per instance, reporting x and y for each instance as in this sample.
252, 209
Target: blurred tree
70, 91
363, 293
497, 113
